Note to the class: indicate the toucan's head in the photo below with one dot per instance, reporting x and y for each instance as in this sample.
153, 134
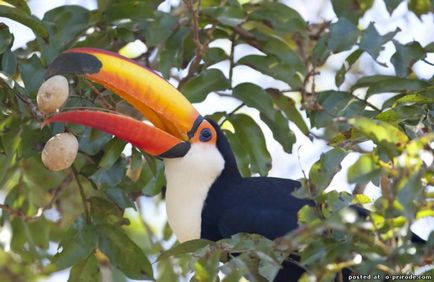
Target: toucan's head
177, 125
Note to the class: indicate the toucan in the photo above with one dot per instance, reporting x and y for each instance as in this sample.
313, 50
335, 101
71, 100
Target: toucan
206, 195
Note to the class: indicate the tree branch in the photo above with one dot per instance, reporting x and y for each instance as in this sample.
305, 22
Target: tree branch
32, 107
201, 47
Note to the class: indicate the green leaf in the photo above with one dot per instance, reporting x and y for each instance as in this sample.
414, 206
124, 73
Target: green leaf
226, 15
429, 48
410, 193
335, 104
92, 141
254, 96
280, 129
287, 105
79, 243
323, 171
351, 9
343, 35
272, 66
171, 54
136, 159
385, 83
32, 73
9, 63
119, 197
185, 248
241, 154
334, 202
40, 232
252, 138
215, 55
85, 271
207, 268
364, 169
391, 5
406, 56
112, 152
321, 52
386, 136
268, 267
158, 30
20, 4
197, 88
399, 114
6, 38
33, 234
346, 66
34, 174
420, 7
285, 53
372, 42
415, 99
110, 177
150, 180
156, 180
65, 24
24, 18
167, 270
308, 215
245, 265
129, 10
123, 252
281, 17
104, 211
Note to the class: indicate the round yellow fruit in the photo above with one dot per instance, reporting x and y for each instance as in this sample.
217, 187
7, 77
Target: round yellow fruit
52, 94
60, 151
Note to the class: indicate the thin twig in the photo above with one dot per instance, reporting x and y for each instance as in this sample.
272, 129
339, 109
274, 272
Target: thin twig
231, 58
221, 94
83, 196
428, 62
308, 98
228, 115
32, 107
299, 163
367, 103
319, 30
236, 109
288, 90
201, 47
195, 22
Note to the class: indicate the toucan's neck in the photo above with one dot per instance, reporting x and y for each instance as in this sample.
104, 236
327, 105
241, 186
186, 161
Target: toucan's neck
230, 168
190, 178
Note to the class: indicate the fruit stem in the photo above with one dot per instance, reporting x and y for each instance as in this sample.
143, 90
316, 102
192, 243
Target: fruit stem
83, 196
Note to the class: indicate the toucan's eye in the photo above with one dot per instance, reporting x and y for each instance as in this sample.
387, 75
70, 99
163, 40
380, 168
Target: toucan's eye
205, 135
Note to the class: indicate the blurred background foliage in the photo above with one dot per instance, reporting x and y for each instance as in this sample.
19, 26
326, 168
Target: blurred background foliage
53, 226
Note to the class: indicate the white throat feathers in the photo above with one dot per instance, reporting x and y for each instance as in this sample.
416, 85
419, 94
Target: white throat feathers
188, 181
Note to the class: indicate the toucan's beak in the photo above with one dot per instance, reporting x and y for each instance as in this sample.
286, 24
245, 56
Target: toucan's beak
174, 118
